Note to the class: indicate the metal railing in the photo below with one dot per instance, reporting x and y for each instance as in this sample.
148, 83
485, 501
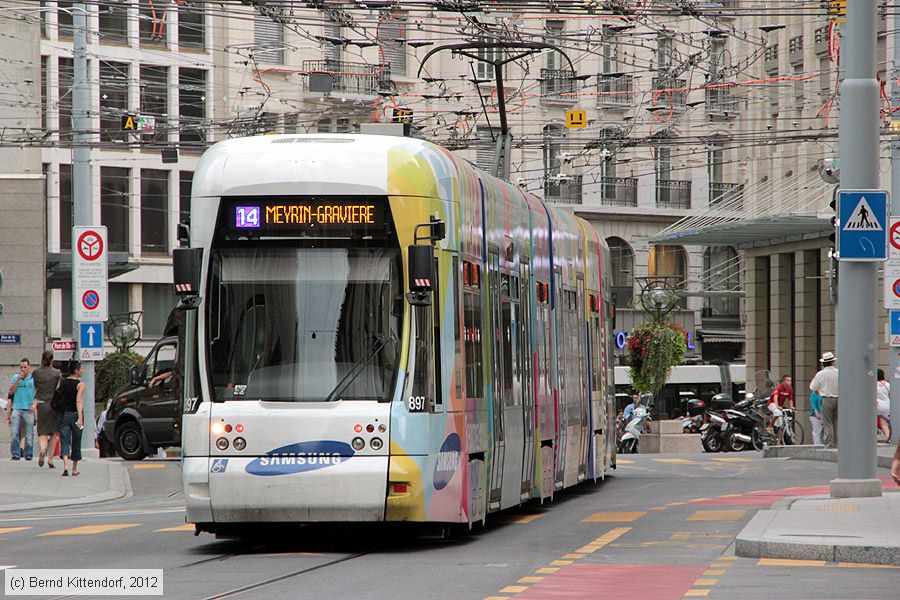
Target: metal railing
618, 191
555, 82
669, 91
719, 101
352, 77
615, 91
673, 193
730, 193
565, 189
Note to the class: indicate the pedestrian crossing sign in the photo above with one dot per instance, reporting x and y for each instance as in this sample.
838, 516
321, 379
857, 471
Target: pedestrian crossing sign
863, 225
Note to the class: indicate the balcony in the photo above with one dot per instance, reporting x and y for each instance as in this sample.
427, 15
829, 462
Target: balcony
731, 194
795, 50
359, 79
771, 58
673, 193
821, 41
618, 191
669, 92
563, 189
615, 91
555, 83
721, 104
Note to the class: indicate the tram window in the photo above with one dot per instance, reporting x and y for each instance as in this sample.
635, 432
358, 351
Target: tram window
474, 366
506, 339
596, 352
457, 360
423, 376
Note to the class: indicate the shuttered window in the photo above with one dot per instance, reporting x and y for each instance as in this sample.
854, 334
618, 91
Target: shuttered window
484, 149
268, 37
392, 38
331, 31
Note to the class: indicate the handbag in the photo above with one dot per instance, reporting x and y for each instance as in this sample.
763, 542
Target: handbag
58, 402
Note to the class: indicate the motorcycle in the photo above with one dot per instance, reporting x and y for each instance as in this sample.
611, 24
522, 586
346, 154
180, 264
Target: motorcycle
747, 427
628, 443
692, 423
714, 431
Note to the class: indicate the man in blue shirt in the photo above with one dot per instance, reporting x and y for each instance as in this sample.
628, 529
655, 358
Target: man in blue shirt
21, 411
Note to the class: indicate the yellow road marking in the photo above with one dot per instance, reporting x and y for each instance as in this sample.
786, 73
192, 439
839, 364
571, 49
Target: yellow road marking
12, 529
788, 562
497, 598
691, 593
547, 570
520, 519
717, 515
700, 499
613, 517
681, 535
714, 572
720, 565
658, 508
705, 582
865, 566
530, 579
185, 527
679, 461
513, 589
561, 563
840, 508
90, 529
622, 461
148, 466
575, 556
676, 503
727, 557
732, 459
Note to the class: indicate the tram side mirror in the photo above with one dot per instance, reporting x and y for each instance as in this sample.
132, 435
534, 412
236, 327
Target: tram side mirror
421, 260
184, 234
186, 263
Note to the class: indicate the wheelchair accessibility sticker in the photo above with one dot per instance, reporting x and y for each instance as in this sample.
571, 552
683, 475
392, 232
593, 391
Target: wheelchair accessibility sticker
219, 465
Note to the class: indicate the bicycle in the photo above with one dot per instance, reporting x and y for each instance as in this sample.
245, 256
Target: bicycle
791, 432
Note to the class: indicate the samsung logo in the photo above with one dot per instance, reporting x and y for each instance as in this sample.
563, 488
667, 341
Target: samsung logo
300, 458
447, 461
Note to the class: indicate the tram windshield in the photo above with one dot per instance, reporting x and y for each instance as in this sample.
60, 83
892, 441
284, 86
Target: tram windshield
304, 324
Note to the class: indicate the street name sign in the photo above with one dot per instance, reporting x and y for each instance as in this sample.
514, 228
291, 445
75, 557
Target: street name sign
862, 225
64, 346
90, 282
90, 340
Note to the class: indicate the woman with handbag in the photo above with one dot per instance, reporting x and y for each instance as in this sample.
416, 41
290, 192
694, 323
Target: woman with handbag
72, 392
46, 380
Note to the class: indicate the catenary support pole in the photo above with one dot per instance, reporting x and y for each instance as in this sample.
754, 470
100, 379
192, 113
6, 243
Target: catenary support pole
82, 193
856, 322
894, 374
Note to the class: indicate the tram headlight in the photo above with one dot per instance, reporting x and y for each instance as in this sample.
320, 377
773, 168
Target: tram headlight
239, 443
358, 443
222, 444
376, 443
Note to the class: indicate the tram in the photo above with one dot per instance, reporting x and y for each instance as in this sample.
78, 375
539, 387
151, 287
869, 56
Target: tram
386, 333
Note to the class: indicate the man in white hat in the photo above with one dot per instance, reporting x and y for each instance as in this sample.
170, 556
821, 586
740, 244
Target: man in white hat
825, 383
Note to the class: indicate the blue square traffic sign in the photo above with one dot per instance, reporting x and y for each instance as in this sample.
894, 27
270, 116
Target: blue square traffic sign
895, 322
863, 225
90, 335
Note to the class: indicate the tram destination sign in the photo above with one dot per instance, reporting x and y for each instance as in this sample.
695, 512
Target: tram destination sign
322, 216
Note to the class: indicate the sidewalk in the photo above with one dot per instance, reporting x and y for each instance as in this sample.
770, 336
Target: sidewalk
852, 530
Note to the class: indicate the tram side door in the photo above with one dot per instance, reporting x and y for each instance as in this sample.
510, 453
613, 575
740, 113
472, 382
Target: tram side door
582, 340
561, 383
496, 365
526, 386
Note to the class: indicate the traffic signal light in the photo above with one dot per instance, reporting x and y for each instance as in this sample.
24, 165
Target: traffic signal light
832, 237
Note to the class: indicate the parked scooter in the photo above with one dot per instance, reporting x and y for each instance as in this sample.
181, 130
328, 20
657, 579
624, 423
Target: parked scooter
747, 425
696, 416
717, 428
630, 440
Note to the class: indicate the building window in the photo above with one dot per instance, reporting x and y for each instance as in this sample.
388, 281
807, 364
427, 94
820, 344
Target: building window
114, 206
185, 182
664, 52
292, 123
44, 90
152, 22
392, 38
192, 105
66, 217
621, 271
154, 211
64, 105
485, 70
722, 274
798, 86
334, 126
553, 136
158, 301
64, 18
333, 41
155, 97
191, 26
669, 263
484, 148
113, 17
268, 39
114, 78
715, 164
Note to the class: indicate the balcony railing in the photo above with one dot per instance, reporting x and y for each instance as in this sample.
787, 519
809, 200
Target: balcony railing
615, 91
669, 92
555, 83
731, 194
618, 191
362, 79
565, 189
720, 103
673, 193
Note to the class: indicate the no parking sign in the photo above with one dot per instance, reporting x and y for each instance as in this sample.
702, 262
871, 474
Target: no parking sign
89, 274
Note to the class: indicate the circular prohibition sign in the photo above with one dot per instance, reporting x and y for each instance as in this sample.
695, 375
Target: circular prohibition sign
90, 300
896, 288
895, 235
90, 245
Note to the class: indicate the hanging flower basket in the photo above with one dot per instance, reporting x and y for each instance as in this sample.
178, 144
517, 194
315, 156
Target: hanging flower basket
653, 349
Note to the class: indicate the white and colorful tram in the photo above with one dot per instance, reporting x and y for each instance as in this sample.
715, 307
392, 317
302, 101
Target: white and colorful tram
386, 333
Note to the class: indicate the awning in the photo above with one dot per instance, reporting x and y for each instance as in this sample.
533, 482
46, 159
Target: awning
721, 336
749, 232
59, 267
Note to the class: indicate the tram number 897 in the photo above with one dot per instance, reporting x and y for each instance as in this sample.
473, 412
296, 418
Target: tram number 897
417, 404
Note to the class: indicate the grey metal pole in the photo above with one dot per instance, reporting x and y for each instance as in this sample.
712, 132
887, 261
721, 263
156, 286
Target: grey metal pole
856, 322
82, 192
894, 374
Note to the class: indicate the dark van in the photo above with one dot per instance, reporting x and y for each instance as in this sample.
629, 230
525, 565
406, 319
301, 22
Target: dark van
146, 414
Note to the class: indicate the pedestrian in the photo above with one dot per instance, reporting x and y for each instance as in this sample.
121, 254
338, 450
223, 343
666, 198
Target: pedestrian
815, 417
72, 422
46, 378
782, 397
21, 412
635, 401
895, 466
883, 403
825, 383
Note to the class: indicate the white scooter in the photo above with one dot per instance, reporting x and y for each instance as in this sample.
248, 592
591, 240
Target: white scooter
628, 443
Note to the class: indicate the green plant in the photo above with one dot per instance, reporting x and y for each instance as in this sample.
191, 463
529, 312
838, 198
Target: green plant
653, 349
113, 372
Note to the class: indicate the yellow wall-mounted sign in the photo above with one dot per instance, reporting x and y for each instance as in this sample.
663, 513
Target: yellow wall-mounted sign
837, 10
576, 119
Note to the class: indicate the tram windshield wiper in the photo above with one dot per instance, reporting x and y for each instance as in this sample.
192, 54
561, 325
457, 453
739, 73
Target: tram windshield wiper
375, 346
